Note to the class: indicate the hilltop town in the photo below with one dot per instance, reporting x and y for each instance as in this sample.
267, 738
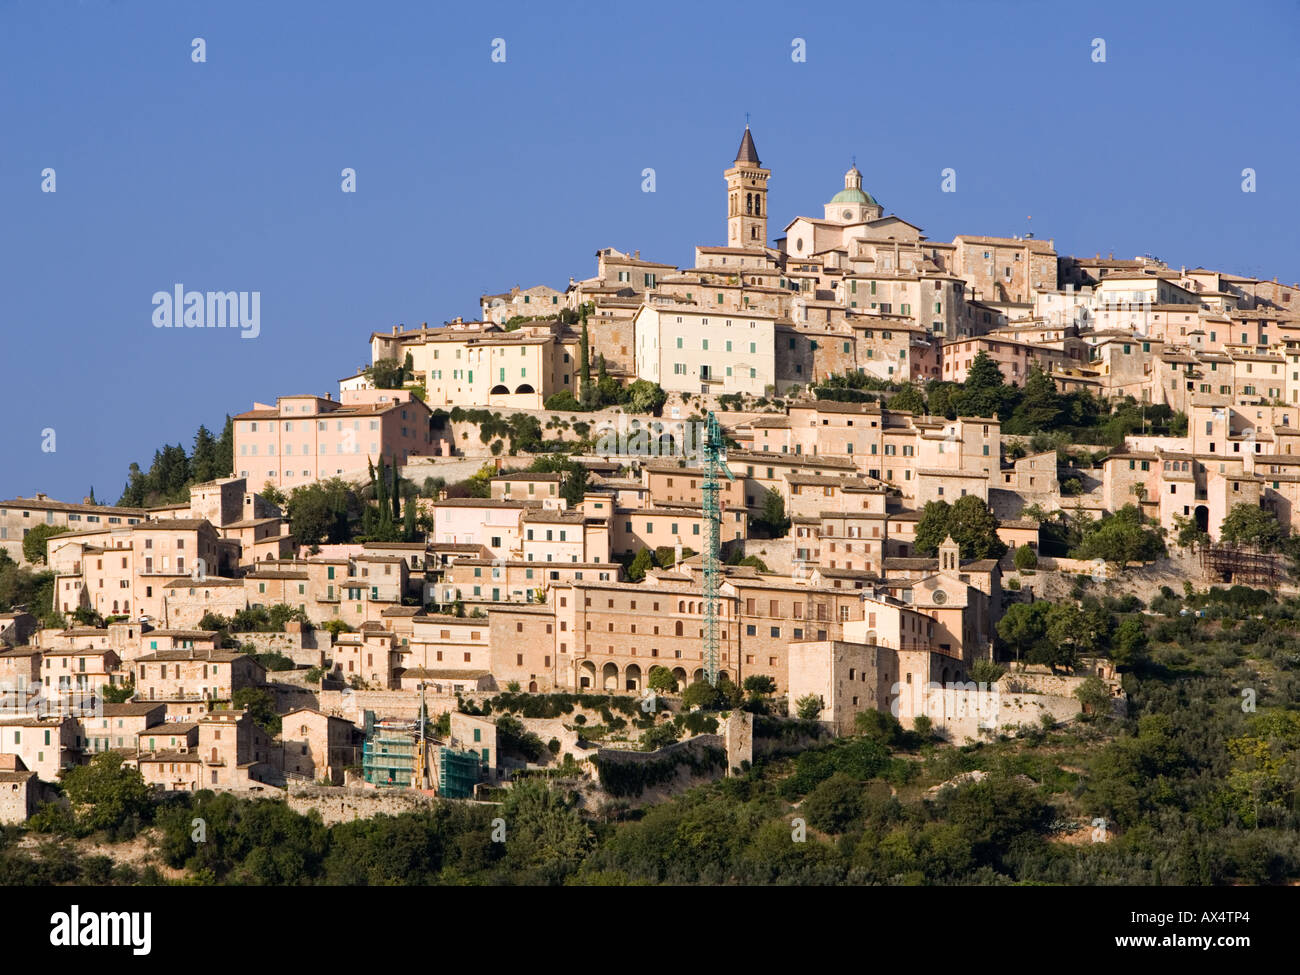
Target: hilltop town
946, 480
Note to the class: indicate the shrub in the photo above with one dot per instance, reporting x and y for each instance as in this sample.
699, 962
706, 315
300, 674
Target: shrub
1026, 558
986, 672
808, 707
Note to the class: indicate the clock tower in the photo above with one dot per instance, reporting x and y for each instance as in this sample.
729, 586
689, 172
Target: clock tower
747, 197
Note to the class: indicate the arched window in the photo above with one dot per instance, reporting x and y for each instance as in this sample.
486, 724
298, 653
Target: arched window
749, 202
758, 205
678, 628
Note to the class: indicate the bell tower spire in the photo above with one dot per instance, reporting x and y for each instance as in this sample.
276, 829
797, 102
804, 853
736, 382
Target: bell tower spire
747, 196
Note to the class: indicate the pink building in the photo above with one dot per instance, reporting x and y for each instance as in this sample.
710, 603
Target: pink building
306, 438
1012, 357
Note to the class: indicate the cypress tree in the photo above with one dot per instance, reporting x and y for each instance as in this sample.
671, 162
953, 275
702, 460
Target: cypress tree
584, 365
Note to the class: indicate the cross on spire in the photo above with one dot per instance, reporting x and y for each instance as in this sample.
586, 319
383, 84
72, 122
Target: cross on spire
746, 120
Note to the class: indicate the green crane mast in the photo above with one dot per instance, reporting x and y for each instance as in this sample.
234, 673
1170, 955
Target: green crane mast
715, 466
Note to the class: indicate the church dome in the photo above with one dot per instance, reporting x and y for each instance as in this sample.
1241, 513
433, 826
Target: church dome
853, 195
853, 191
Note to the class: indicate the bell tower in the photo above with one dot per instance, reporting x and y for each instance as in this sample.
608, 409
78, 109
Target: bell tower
747, 197
949, 555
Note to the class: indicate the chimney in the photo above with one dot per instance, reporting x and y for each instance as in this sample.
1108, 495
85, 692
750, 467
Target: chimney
396, 329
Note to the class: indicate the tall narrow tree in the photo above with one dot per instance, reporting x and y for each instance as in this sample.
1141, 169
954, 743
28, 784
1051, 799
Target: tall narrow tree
584, 365
224, 460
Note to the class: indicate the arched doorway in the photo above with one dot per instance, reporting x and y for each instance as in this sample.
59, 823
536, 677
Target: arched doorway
632, 678
609, 677
1202, 515
587, 675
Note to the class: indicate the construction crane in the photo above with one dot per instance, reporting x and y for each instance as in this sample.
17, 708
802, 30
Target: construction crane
715, 466
421, 778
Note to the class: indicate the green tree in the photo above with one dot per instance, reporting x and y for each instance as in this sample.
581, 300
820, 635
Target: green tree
773, 520
1023, 627
1263, 769
986, 671
835, 805
586, 392
641, 562
878, 726
108, 795
1128, 648
117, 693
970, 523
35, 539
759, 685
1120, 538
1253, 526
224, 455
323, 512
808, 707
1039, 407
562, 402
386, 374
273, 494
644, 396
260, 705
661, 679
1188, 534
932, 527
546, 839
908, 398
574, 486
1094, 696
1026, 558
203, 462
983, 373
409, 531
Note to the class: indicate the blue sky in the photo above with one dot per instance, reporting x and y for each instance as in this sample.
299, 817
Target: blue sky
474, 176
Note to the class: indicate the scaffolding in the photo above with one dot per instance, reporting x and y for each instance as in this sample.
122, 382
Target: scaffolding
388, 758
1245, 566
458, 773
715, 466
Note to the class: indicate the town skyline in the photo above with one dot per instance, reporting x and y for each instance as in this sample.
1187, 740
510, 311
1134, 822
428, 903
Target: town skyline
346, 264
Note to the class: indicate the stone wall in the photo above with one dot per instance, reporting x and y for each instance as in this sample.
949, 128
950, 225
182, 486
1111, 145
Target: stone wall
682, 774
306, 649
400, 705
337, 804
738, 735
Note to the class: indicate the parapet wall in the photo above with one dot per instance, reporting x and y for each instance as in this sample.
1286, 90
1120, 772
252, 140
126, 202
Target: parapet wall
342, 805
